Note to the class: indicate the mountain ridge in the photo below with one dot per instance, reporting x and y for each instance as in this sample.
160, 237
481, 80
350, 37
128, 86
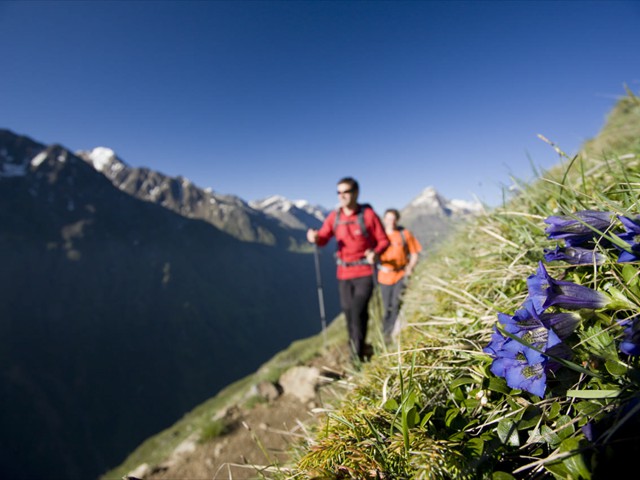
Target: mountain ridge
104, 287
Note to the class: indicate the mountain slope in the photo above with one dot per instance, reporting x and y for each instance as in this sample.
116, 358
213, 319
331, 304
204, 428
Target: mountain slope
120, 315
227, 212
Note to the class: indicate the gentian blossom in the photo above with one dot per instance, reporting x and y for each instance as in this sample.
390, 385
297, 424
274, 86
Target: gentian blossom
574, 255
522, 366
632, 237
523, 369
545, 291
631, 342
575, 229
563, 324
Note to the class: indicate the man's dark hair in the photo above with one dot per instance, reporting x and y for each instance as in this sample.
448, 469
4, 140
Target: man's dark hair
352, 182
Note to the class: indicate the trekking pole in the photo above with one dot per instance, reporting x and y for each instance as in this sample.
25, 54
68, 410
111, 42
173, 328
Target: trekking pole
377, 294
320, 295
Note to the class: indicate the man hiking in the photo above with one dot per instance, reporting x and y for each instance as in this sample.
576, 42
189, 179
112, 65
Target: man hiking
360, 239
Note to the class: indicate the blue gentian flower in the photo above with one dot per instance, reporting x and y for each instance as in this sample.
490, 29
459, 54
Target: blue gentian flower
574, 255
574, 229
544, 292
523, 368
631, 342
563, 324
632, 237
527, 325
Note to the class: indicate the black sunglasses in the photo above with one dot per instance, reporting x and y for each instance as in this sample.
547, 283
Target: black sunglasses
344, 191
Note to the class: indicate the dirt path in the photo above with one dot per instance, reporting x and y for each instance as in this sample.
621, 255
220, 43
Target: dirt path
258, 437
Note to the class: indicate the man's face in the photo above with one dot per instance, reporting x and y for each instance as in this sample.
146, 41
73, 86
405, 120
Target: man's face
347, 196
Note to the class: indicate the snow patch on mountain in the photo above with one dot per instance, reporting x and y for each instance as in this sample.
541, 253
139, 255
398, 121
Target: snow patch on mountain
431, 200
103, 159
278, 203
298, 214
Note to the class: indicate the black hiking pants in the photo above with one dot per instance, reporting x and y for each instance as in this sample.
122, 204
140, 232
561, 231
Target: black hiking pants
391, 296
354, 300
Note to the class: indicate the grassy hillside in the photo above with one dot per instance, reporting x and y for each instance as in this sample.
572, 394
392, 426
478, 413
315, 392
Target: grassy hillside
446, 406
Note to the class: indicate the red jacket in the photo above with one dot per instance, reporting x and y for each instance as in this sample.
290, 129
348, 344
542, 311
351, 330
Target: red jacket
352, 243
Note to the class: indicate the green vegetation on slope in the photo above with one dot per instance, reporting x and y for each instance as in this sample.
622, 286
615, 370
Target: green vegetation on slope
435, 410
203, 419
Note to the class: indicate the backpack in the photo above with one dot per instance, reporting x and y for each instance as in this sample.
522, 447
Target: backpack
363, 228
360, 220
404, 241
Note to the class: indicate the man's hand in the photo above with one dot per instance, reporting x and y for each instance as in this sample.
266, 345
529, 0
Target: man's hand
312, 235
371, 256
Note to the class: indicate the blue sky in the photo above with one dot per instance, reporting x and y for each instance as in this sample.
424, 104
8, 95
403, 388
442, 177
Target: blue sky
262, 98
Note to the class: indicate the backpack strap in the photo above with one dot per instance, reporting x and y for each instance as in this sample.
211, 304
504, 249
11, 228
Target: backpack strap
404, 240
363, 227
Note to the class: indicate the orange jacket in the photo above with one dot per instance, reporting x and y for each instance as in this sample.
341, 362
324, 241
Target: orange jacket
395, 258
352, 242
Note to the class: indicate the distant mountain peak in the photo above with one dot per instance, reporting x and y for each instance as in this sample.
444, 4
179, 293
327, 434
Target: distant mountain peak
430, 200
103, 159
429, 197
273, 202
297, 214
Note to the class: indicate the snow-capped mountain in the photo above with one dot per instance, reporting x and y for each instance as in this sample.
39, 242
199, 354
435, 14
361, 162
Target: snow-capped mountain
227, 212
297, 214
431, 217
431, 201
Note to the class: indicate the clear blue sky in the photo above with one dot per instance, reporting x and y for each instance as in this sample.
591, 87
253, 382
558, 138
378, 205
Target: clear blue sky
262, 98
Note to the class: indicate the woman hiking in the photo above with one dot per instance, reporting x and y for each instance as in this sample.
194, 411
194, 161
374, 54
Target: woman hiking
396, 264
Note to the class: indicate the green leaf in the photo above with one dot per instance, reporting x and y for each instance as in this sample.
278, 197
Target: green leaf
619, 299
565, 427
474, 447
593, 393
471, 403
629, 273
554, 410
572, 466
545, 435
450, 416
461, 381
530, 418
413, 417
391, 405
425, 418
615, 368
502, 476
499, 384
410, 402
508, 433
588, 409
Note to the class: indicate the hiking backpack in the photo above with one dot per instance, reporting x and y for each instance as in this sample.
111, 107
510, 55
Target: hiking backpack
360, 219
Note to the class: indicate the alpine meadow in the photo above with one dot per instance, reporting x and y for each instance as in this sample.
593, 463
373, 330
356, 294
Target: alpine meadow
477, 387
518, 355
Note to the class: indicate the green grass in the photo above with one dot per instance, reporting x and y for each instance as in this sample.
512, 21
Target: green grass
433, 409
